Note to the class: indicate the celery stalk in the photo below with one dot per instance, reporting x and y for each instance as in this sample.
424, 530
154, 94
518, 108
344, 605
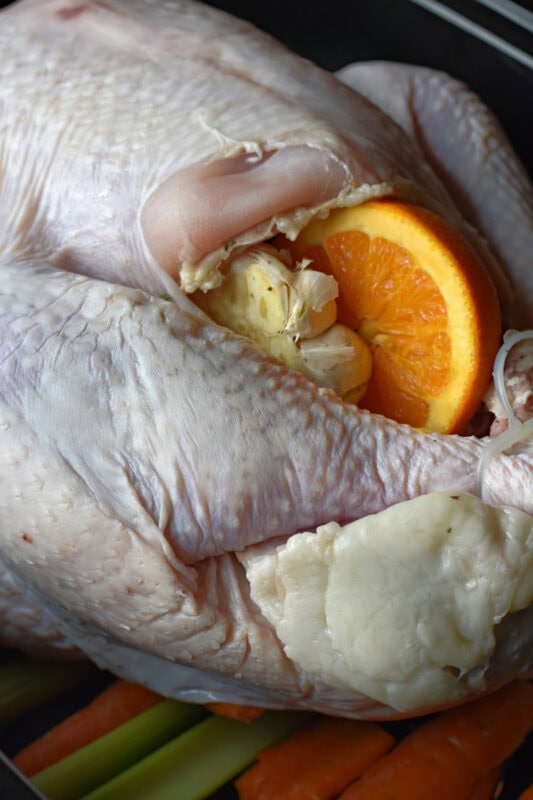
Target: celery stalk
25, 683
114, 752
201, 760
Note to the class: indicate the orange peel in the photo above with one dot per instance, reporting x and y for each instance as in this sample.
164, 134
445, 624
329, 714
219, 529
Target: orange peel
412, 287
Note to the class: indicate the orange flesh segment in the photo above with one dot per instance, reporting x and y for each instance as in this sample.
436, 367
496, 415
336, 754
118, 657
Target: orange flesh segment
414, 290
411, 347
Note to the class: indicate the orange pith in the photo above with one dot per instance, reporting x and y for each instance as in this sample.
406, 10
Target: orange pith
416, 292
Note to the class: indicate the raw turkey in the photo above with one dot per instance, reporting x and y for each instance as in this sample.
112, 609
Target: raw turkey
174, 504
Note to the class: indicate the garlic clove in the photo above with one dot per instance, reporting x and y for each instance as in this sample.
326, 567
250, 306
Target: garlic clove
338, 359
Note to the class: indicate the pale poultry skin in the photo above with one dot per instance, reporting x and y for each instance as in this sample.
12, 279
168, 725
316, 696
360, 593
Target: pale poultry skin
142, 445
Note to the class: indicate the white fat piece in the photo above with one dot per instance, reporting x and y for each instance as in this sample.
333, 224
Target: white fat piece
401, 605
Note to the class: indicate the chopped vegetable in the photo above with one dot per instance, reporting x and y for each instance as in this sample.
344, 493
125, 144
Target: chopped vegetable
448, 756
233, 711
199, 761
114, 752
26, 683
117, 704
457, 754
315, 763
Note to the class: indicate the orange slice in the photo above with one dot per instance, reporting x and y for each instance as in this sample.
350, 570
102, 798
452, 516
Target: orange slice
415, 291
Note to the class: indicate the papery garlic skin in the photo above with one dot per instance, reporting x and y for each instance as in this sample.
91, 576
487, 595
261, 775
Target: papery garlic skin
339, 359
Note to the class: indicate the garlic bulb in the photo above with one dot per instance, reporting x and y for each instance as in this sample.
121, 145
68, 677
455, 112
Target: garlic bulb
291, 314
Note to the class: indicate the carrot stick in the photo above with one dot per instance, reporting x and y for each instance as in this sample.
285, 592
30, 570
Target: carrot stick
117, 704
485, 788
528, 794
447, 756
316, 762
233, 711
